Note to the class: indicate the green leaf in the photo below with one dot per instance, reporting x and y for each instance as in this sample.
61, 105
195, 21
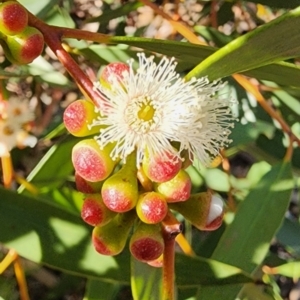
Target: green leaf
282, 73
216, 179
244, 244
56, 132
59, 16
262, 46
289, 235
38, 7
196, 271
289, 106
243, 134
104, 55
257, 171
189, 55
97, 290
146, 281
254, 292
212, 34
53, 168
274, 147
42, 68
246, 240
46, 234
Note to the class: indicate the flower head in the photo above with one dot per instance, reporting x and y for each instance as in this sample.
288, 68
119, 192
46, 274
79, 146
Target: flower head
155, 110
15, 114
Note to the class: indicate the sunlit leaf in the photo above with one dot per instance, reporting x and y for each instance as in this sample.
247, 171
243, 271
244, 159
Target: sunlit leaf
246, 240
254, 49
99, 290
45, 233
189, 55
53, 168
146, 281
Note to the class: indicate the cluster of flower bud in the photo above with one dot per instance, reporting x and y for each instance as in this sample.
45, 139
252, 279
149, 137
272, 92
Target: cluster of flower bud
116, 201
21, 43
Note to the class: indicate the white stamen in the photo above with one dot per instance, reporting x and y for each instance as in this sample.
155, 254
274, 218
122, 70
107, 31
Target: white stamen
185, 112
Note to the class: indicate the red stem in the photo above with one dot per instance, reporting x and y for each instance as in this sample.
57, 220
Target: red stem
171, 228
53, 36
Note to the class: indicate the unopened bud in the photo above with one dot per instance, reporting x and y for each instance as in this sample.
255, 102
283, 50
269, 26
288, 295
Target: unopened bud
203, 210
177, 189
13, 18
113, 73
161, 168
78, 117
120, 191
151, 207
110, 239
146, 243
87, 187
90, 162
94, 212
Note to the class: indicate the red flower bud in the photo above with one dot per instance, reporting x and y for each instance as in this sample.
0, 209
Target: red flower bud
151, 208
13, 18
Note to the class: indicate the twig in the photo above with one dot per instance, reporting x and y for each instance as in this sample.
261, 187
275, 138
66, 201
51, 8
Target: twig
21, 279
253, 89
171, 227
213, 14
7, 170
53, 36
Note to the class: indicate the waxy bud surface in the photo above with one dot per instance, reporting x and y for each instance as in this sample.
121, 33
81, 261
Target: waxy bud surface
110, 239
203, 210
78, 117
177, 189
120, 191
94, 212
87, 187
146, 243
151, 207
159, 168
26, 46
13, 18
90, 162
112, 73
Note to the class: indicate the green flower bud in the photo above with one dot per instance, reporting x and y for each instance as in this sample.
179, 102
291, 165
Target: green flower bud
26, 46
110, 239
120, 191
203, 210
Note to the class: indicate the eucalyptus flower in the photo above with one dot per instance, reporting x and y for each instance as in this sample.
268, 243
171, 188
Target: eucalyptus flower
153, 109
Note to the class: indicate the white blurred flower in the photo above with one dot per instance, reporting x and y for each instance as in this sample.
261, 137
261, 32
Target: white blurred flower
154, 108
15, 114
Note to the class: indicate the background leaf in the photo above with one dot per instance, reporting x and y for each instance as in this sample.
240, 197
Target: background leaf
254, 49
246, 240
